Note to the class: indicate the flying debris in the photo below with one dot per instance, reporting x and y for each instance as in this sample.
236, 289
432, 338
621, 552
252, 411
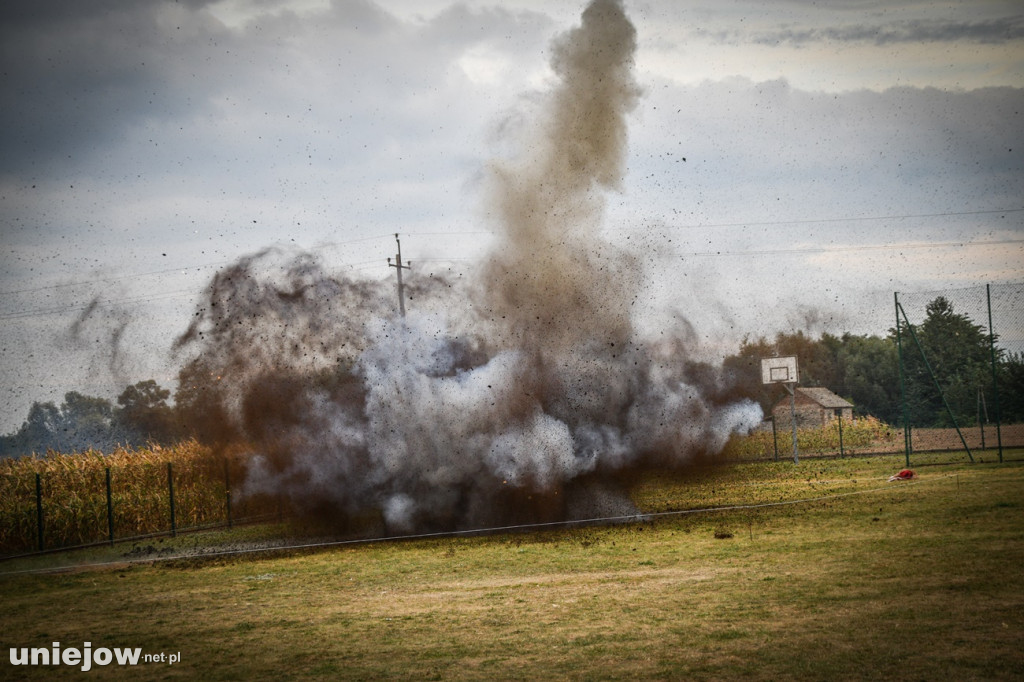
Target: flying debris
521, 393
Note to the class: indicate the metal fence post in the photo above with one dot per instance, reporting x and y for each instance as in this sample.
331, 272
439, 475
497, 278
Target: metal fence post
841, 453
39, 511
170, 490
775, 440
227, 489
792, 414
995, 386
982, 415
110, 510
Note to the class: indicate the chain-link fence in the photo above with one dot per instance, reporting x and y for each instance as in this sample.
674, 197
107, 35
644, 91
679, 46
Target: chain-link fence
961, 362
62, 501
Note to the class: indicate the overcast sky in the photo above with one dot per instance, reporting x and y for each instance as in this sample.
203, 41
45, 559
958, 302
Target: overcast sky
803, 160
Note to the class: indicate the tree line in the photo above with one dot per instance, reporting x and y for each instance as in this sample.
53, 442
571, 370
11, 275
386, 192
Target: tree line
863, 369
141, 415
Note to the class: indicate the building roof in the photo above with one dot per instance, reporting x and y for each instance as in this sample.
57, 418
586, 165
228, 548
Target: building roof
824, 397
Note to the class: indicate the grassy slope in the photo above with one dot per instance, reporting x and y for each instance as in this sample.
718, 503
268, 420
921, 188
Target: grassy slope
913, 581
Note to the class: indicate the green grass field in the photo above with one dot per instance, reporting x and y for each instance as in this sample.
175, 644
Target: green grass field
851, 578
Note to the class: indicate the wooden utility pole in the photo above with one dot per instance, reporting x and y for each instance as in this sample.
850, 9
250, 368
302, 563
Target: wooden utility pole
399, 266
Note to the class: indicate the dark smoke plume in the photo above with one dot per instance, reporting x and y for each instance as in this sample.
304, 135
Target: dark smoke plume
519, 395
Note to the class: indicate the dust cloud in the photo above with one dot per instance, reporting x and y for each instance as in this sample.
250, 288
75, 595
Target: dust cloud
522, 392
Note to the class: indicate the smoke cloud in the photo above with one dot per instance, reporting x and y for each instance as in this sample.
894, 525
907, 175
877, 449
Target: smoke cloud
520, 393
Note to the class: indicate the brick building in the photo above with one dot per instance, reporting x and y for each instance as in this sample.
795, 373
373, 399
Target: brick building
814, 407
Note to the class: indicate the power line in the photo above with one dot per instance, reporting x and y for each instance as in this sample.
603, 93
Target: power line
202, 266
818, 221
116, 278
445, 234
770, 223
865, 247
78, 307
696, 254
796, 221
959, 290
803, 221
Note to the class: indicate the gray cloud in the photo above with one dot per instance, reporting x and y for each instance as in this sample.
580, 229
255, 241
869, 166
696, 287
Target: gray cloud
130, 130
855, 153
75, 80
174, 85
991, 31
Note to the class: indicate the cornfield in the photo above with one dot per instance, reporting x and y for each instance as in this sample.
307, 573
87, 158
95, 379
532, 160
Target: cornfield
74, 491
859, 436
74, 494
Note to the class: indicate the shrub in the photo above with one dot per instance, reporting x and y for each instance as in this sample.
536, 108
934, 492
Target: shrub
865, 434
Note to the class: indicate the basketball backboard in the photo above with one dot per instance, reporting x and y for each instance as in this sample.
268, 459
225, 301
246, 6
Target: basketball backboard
779, 371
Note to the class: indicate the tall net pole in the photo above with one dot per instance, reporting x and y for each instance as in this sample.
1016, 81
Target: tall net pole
903, 386
995, 385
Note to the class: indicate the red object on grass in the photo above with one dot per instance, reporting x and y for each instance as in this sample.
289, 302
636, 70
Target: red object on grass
904, 475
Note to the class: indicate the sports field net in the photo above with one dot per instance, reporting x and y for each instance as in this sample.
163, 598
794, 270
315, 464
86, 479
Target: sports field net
962, 358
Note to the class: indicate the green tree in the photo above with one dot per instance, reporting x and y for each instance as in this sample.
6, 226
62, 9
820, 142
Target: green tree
742, 372
816, 358
87, 422
1010, 373
43, 424
39, 432
144, 413
869, 376
958, 352
80, 423
861, 369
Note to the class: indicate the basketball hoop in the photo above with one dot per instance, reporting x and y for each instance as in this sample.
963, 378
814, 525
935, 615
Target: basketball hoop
784, 371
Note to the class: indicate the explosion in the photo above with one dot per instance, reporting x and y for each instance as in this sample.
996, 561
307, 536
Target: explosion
520, 394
